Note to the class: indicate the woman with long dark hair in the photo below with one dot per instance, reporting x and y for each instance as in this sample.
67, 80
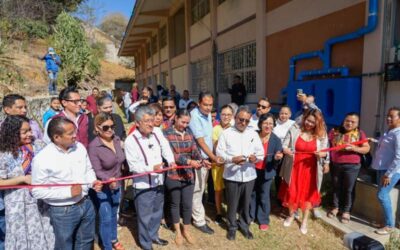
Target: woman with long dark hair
107, 157
27, 221
302, 174
346, 164
180, 182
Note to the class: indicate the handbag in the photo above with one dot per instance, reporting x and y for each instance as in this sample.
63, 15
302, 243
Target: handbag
286, 168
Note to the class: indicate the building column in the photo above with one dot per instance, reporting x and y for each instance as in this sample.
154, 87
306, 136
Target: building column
214, 48
188, 18
159, 56
169, 50
261, 50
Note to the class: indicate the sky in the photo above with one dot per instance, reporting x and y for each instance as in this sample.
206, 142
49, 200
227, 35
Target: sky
105, 7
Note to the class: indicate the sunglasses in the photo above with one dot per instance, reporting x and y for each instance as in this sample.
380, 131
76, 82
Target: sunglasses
105, 128
261, 106
76, 102
247, 121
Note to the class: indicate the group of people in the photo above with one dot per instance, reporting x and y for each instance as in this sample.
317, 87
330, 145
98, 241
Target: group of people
171, 148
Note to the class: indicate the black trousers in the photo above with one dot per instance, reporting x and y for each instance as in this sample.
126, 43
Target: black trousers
238, 196
344, 177
181, 196
260, 206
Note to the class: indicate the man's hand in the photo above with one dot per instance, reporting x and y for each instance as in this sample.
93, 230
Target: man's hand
112, 185
219, 160
239, 160
97, 185
158, 167
320, 154
76, 190
194, 163
385, 180
252, 158
25, 179
173, 165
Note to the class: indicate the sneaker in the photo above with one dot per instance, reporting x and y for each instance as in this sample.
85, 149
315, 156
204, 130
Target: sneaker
219, 219
263, 227
303, 229
205, 229
384, 230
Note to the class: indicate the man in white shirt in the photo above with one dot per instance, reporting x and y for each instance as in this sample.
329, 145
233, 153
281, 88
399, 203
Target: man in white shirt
66, 161
144, 151
185, 100
241, 148
263, 107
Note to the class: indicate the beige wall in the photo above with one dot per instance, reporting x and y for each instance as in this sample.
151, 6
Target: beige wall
164, 53
241, 35
201, 51
179, 75
200, 30
178, 60
237, 9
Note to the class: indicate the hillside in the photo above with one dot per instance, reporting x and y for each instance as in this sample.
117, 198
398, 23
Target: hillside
26, 72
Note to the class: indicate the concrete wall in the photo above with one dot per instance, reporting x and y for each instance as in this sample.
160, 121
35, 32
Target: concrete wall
240, 10
200, 30
179, 75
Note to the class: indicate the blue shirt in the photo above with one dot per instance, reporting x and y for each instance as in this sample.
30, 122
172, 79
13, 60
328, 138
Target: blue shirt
387, 156
201, 126
47, 115
52, 63
1, 200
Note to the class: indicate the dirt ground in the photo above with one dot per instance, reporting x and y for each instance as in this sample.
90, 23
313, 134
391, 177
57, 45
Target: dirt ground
319, 236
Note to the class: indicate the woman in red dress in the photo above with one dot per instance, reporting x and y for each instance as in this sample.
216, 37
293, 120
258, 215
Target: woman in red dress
302, 169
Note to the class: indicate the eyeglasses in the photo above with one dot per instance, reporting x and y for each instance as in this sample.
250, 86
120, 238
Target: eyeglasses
105, 128
76, 102
261, 106
247, 121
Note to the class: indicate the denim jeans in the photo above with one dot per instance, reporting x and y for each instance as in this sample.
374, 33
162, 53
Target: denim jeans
52, 82
74, 226
149, 209
2, 228
384, 197
108, 201
260, 204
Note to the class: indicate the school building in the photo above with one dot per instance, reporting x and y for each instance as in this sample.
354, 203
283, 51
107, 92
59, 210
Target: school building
345, 52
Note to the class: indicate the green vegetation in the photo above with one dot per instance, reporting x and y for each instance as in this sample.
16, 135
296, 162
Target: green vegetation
79, 59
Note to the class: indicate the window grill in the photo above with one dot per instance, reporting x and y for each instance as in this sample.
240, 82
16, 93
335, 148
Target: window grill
201, 76
238, 61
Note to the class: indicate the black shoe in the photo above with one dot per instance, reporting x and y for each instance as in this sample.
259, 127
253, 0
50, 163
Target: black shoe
219, 219
231, 235
247, 234
205, 229
160, 242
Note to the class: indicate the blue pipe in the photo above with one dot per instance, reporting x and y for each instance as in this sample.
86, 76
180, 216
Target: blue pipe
293, 59
372, 23
343, 71
325, 55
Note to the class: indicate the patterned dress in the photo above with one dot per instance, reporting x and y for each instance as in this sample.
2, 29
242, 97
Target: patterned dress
27, 220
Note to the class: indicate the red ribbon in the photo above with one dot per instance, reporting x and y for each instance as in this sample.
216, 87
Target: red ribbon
336, 148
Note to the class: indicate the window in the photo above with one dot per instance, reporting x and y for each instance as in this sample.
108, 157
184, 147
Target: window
179, 37
200, 8
148, 50
163, 36
201, 76
238, 61
164, 79
154, 44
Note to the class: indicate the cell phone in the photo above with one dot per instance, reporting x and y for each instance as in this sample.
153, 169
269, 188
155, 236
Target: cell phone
299, 91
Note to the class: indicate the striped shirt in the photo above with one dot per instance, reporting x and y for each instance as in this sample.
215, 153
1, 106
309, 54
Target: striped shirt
184, 148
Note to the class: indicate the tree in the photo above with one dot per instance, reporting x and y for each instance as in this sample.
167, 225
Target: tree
114, 24
74, 49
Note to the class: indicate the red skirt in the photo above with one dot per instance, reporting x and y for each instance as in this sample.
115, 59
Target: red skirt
302, 192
